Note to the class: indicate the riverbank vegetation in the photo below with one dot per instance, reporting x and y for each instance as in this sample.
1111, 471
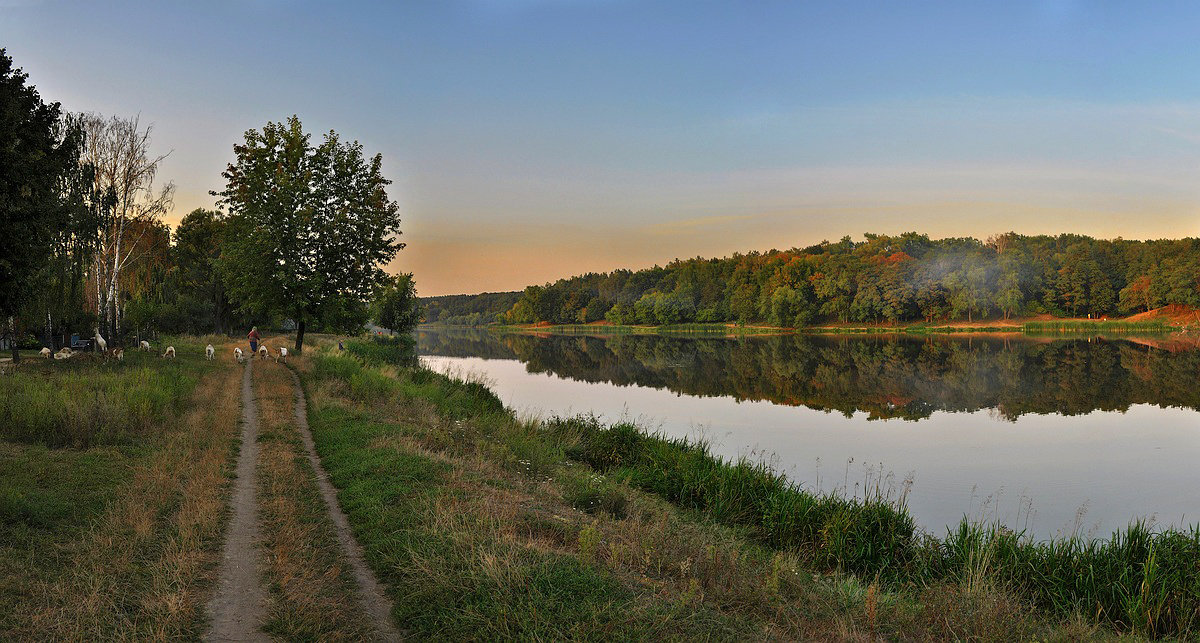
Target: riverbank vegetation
882, 279
484, 525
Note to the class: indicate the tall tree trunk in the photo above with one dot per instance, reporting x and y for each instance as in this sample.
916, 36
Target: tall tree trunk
12, 338
300, 336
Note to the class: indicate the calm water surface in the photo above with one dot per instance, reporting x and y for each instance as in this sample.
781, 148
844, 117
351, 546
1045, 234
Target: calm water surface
1048, 435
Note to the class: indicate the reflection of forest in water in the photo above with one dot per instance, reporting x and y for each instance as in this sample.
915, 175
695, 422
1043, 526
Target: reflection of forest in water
886, 376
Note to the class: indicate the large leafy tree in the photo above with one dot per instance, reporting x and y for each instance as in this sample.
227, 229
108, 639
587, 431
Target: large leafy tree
39, 157
309, 227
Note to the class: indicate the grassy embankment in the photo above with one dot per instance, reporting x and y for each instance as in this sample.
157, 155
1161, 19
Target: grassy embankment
112, 476
484, 526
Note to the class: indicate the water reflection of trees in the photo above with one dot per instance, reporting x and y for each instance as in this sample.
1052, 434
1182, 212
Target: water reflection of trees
893, 376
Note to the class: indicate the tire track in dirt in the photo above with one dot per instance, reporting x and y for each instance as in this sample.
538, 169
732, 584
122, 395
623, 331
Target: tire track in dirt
374, 601
238, 608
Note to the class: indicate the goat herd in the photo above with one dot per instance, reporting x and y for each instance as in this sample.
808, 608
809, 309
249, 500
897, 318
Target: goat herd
210, 353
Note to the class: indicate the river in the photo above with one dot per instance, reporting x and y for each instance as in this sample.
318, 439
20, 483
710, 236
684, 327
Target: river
1048, 435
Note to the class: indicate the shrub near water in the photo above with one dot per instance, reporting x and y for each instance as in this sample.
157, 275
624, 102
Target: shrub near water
88, 407
382, 350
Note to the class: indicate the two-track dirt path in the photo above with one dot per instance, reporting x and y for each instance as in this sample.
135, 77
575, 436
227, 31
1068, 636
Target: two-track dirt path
239, 606
371, 595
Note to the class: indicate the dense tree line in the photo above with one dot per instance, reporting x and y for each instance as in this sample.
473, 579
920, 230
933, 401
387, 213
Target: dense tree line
303, 238
468, 310
887, 377
884, 279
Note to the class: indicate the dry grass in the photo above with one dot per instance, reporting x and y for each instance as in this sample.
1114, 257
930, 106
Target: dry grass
142, 568
312, 594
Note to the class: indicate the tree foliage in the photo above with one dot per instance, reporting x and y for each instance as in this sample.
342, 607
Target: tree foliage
396, 306
309, 227
45, 200
883, 279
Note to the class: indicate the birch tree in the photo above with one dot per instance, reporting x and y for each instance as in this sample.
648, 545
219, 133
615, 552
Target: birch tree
119, 151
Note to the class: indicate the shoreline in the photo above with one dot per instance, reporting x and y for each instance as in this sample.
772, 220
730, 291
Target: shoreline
1030, 328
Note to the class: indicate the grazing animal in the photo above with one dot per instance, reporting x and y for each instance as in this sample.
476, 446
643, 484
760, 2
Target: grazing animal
45, 352
145, 345
263, 352
210, 352
283, 353
63, 353
119, 353
170, 352
101, 345
237, 354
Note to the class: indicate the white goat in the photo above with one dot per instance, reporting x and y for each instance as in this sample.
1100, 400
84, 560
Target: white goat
101, 345
170, 352
63, 353
145, 345
45, 352
263, 352
237, 354
210, 352
119, 353
283, 353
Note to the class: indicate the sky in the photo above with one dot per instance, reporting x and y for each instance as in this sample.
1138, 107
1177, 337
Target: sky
530, 140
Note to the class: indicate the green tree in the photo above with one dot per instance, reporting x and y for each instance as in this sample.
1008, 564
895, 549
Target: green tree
396, 307
38, 156
196, 254
309, 227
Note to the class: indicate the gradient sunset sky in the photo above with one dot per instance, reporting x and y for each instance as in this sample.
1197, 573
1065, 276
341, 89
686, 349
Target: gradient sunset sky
536, 139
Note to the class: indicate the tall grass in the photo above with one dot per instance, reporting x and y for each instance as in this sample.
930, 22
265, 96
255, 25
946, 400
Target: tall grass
870, 536
1142, 580
1087, 326
91, 406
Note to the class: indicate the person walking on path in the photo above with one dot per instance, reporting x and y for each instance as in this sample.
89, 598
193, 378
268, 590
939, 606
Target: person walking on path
253, 336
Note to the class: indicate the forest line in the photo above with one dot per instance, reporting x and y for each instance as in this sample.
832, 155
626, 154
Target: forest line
883, 278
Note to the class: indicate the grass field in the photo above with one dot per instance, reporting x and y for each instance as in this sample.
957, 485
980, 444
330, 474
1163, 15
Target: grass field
110, 511
485, 526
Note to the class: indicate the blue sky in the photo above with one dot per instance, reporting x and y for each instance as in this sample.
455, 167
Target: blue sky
533, 139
